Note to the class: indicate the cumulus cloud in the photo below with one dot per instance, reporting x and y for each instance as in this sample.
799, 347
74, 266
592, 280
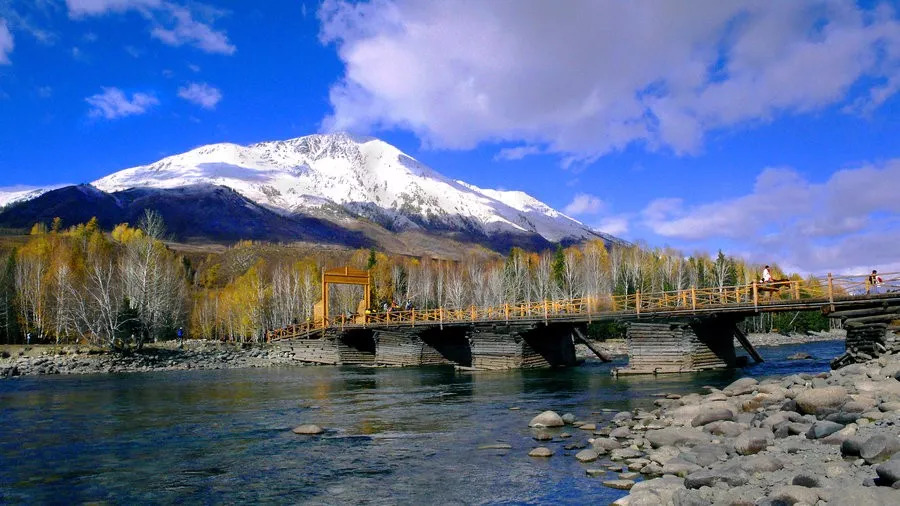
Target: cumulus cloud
170, 23
113, 103
6, 43
848, 220
583, 204
597, 76
201, 94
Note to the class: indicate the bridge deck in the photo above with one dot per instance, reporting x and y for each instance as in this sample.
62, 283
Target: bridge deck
827, 294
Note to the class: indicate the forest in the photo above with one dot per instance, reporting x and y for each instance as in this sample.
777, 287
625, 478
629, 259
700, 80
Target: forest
125, 287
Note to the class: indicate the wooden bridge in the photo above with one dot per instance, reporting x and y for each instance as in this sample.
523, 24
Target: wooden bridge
677, 330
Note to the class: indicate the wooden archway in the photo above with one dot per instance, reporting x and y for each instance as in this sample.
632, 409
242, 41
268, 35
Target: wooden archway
345, 276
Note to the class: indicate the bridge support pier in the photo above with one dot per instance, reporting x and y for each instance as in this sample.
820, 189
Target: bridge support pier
872, 331
517, 346
691, 345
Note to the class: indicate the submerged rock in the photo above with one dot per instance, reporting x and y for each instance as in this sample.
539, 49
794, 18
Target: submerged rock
308, 429
541, 451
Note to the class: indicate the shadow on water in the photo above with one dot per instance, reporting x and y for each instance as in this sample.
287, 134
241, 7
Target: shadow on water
405, 435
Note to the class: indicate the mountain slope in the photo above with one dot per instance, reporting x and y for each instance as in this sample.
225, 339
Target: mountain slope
190, 212
336, 175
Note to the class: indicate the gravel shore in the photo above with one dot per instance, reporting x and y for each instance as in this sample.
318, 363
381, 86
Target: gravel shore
831, 438
196, 354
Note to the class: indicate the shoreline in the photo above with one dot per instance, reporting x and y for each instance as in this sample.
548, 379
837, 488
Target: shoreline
40, 360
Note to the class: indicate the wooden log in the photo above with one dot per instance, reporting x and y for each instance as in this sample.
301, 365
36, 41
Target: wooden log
849, 313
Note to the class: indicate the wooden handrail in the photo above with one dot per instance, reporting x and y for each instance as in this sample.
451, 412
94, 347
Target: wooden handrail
826, 289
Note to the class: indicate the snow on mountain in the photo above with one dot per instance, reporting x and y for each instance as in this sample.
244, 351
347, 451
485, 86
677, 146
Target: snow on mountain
14, 194
366, 177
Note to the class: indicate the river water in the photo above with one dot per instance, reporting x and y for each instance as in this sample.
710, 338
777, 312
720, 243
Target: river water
393, 435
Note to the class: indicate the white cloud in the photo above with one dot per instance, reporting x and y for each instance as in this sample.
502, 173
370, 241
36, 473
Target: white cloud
6, 43
614, 225
187, 30
113, 103
79, 8
517, 153
201, 94
170, 23
45, 91
584, 203
849, 220
597, 76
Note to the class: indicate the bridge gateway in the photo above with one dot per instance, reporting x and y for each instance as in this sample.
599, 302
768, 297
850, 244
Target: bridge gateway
677, 331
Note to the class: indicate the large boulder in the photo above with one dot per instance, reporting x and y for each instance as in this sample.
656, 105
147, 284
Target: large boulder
712, 415
605, 444
741, 386
653, 492
760, 464
663, 454
817, 400
625, 453
675, 436
879, 448
705, 455
823, 428
753, 441
541, 451
547, 419
725, 428
733, 476
889, 472
679, 467
851, 446
587, 455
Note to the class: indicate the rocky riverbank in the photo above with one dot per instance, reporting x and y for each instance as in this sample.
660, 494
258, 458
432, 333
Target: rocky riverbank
196, 354
831, 438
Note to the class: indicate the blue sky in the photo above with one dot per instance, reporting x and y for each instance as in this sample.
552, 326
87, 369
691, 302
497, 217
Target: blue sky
768, 129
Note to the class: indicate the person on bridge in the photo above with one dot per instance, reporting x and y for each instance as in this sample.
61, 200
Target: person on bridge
874, 282
767, 276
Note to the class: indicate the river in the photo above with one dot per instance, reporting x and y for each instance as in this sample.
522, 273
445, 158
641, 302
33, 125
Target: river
393, 435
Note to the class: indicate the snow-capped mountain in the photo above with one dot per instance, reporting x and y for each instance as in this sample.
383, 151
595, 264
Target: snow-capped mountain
337, 173
15, 194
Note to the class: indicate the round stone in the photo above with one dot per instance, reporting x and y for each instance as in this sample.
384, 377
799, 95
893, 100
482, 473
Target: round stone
308, 429
541, 451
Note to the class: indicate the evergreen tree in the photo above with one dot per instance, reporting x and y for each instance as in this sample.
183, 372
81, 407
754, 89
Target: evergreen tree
558, 268
373, 259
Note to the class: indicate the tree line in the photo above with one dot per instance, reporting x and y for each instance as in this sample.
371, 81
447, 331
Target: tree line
127, 287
